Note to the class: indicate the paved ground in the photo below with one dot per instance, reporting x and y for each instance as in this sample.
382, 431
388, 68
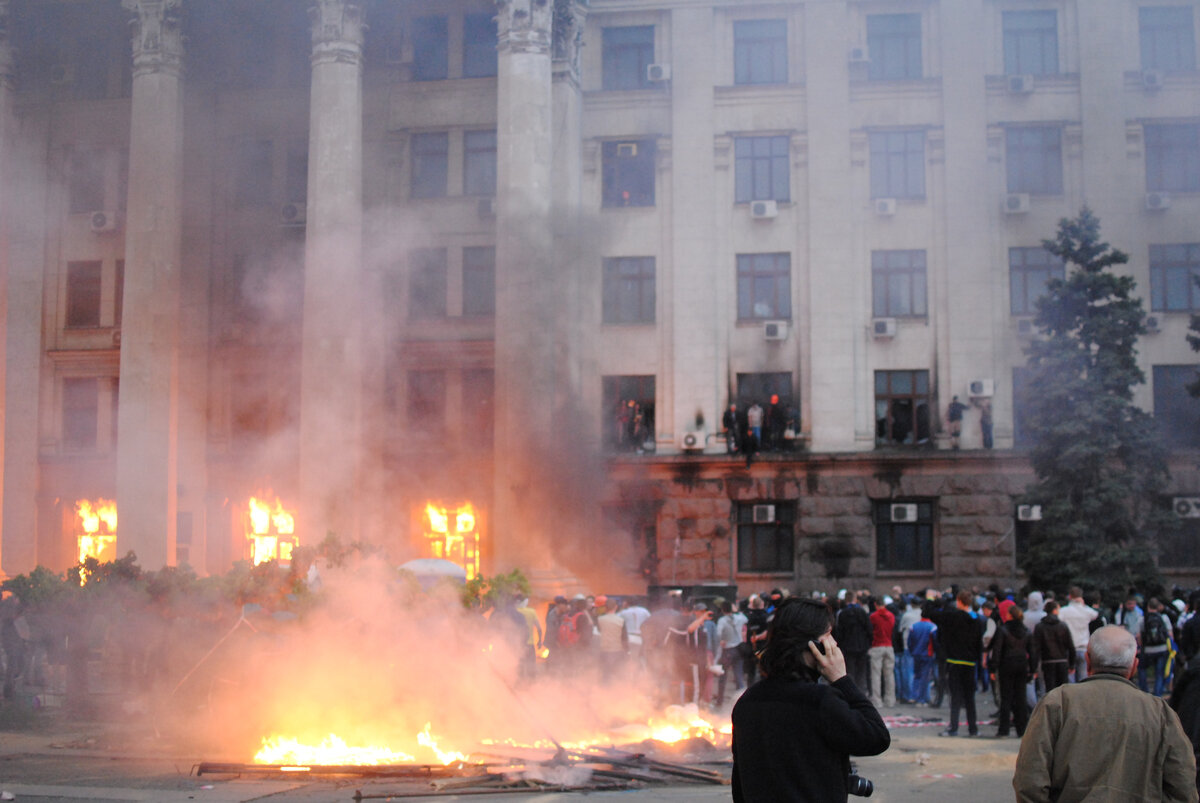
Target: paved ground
50, 759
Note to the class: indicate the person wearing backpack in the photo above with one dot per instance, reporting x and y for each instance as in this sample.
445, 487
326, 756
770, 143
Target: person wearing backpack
1156, 646
1014, 660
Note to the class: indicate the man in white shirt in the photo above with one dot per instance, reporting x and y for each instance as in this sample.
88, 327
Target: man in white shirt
1077, 616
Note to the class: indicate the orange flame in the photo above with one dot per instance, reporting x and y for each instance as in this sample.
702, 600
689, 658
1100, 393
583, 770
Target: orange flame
270, 532
97, 530
459, 544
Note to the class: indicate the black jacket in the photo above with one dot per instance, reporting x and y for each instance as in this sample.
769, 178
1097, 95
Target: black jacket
1053, 641
1012, 650
853, 629
792, 740
960, 634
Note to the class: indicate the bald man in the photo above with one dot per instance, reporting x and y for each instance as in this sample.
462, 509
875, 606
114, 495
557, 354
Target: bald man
1103, 738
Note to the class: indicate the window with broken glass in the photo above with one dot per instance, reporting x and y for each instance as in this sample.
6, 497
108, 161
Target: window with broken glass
902, 408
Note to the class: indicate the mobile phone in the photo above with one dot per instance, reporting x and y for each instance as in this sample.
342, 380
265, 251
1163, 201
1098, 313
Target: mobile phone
820, 645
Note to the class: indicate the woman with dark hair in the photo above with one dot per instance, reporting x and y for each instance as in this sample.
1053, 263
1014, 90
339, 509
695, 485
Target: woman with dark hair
1014, 659
793, 736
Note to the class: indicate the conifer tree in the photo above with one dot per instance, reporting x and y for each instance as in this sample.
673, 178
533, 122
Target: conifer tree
1099, 462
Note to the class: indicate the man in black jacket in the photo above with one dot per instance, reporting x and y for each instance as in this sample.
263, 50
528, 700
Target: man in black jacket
961, 635
853, 634
1055, 647
792, 736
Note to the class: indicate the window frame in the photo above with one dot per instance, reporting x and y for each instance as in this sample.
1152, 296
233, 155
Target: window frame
628, 181
1023, 271
914, 277
1044, 43
923, 558
427, 285
1172, 162
1164, 269
1034, 168
883, 44
623, 63
886, 161
80, 413
615, 391
479, 281
430, 177
629, 291
1171, 400
752, 269
85, 282
1179, 38
760, 56
479, 163
890, 396
430, 47
782, 532
762, 176
480, 57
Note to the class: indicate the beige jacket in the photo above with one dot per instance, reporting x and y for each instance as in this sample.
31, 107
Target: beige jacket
1103, 739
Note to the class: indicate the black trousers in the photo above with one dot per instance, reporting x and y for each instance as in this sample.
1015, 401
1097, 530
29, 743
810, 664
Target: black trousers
1012, 701
858, 667
961, 681
1054, 674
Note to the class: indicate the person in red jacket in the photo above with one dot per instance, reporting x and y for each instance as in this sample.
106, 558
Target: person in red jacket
882, 655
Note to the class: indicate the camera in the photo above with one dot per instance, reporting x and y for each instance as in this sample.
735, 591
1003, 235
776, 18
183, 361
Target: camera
857, 785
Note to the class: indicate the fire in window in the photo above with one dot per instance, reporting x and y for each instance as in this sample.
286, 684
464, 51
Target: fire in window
270, 532
96, 529
452, 533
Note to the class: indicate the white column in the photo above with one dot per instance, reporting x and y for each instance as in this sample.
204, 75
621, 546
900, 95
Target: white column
332, 370
147, 452
526, 384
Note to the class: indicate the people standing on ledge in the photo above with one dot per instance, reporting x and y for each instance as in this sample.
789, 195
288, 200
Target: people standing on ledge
954, 417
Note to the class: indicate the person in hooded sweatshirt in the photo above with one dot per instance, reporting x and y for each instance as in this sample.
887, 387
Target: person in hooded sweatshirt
1055, 648
1014, 660
1034, 611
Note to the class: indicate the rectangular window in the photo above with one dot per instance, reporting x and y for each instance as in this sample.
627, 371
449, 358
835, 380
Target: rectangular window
902, 408
1173, 273
80, 412
761, 171
479, 394
1178, 546
898, 283
1033, 158
479, 281
86, 191
628, 412
430, 165
764, 285
1031, 42
431, 48
479, 163
83, 294
766, 537
759, 388
628, 169
1168, 38
479, 45
625, 53
1176, 410
894, 46
1173, 157
903, 535
427, 283
1029, 271
897, 164
252, 182
760, 52
426, 406
629, 290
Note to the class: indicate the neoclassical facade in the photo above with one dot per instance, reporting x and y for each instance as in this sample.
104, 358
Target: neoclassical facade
510, 261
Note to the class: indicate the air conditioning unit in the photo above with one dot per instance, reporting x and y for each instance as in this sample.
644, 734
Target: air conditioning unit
764, 210
1152, 79
658, 72
981, 388
775, 330
294, 214
1029, 512
1187, 507
885, 206
627, 150
858, 55
1152, 327
764, 514
1025, 327
883, 327
62, 74
904, 512
103, 221
486, 207
1158, 201
692, 441
1020, 84
1016, 203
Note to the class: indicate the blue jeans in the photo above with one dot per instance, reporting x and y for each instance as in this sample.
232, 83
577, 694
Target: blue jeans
922, 670
904, 675
1156, 662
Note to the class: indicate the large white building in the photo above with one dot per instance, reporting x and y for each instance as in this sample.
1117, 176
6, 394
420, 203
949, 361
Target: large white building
366, 255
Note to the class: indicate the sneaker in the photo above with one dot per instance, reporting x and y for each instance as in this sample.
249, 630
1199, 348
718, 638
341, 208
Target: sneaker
948, 733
